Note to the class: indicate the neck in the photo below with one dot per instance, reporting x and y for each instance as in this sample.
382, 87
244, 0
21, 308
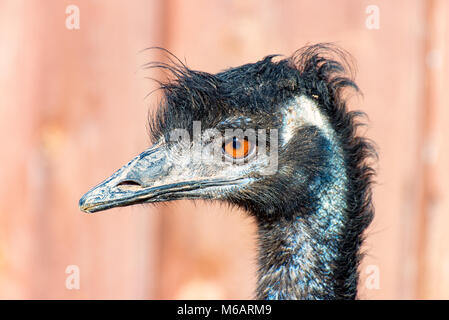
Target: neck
314, 253
304, 264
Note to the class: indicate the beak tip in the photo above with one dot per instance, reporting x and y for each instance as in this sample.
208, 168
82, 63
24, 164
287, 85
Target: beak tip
83, 205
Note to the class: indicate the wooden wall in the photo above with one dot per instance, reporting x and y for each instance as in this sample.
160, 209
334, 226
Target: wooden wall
73, 109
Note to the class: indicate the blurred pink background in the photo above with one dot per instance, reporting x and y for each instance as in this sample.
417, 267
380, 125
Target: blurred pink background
73, 109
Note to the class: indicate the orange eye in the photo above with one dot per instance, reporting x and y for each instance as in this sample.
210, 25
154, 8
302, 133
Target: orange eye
237, 148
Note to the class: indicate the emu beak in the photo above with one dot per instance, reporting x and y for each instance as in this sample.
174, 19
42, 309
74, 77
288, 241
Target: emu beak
135, 182
149, 177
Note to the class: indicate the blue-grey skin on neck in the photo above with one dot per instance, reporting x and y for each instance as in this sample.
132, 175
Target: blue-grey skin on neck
309, 243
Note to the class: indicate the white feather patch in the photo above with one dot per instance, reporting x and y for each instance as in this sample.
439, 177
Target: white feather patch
301, 111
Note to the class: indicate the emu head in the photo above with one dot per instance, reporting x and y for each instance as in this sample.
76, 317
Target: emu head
257, 136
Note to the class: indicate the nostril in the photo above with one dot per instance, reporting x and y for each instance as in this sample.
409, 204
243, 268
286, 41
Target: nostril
129, 183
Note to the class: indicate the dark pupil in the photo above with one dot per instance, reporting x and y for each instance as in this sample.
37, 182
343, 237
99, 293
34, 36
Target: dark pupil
236, 143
